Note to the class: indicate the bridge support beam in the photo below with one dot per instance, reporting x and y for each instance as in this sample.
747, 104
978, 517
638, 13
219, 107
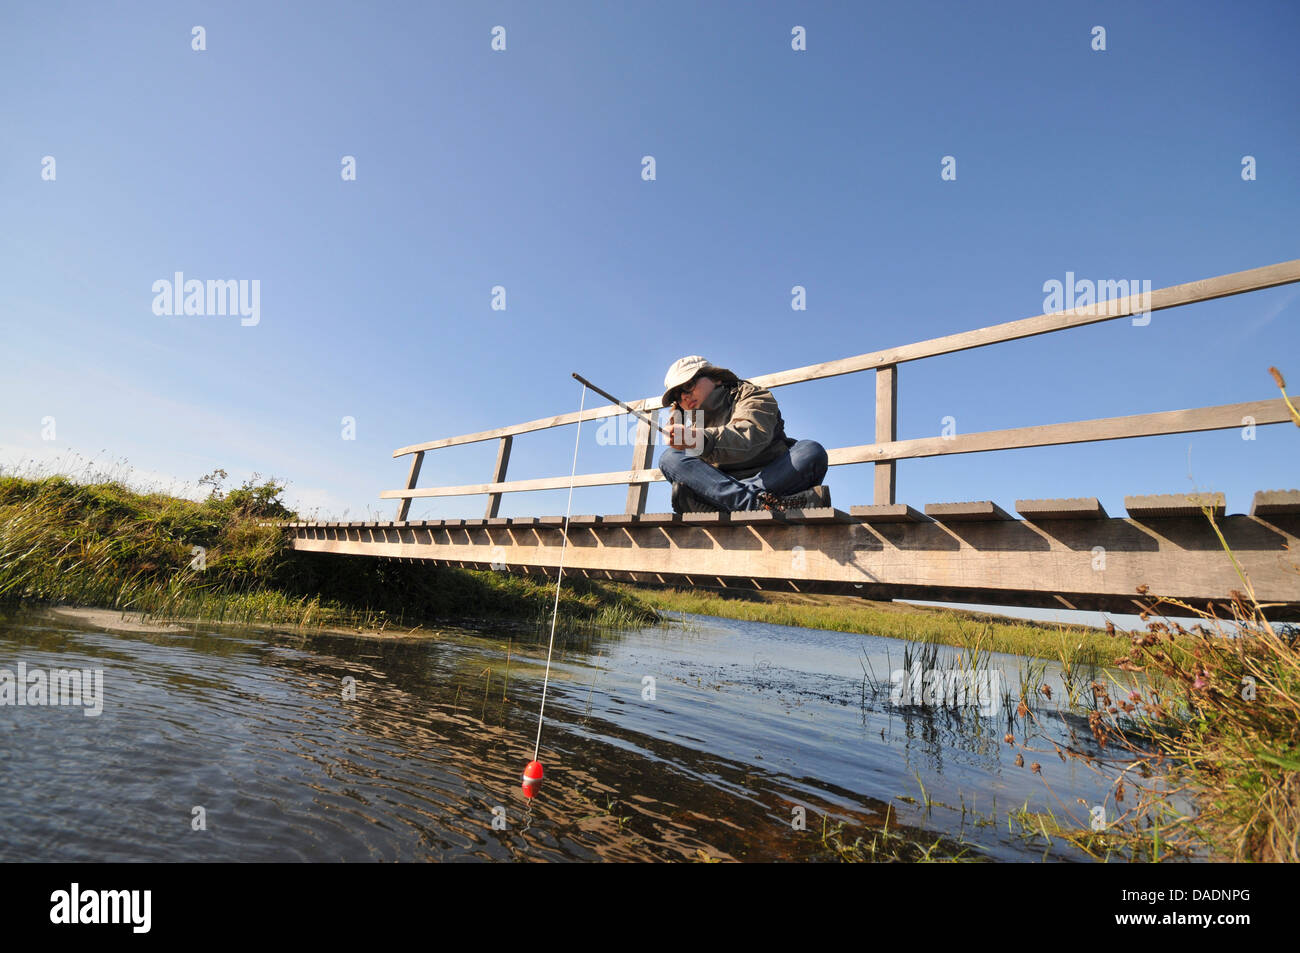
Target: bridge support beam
642, 455
886, 431
499, 474
404, 507
889, 552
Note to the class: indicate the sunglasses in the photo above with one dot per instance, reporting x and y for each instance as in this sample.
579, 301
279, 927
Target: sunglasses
685, 388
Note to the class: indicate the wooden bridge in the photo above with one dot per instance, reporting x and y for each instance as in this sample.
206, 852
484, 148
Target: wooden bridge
1058, 553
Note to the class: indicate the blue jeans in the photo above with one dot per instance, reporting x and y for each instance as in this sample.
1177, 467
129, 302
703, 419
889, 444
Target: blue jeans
802, 468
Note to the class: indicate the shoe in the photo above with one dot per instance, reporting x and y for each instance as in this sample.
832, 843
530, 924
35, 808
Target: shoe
819, 497
685, 500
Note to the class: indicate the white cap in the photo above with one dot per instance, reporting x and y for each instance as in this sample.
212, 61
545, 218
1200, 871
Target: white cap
683, 370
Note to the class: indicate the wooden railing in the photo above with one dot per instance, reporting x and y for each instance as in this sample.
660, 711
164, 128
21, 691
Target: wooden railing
886, 448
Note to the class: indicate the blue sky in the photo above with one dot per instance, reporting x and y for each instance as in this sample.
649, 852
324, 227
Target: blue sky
522, 168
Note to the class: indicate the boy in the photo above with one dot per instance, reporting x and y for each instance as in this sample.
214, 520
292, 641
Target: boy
738, 457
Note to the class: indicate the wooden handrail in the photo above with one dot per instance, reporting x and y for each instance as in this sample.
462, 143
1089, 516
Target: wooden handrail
887, 449
1254, 279
1221, 417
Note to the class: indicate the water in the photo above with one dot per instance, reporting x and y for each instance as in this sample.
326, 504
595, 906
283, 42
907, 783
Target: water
749, 725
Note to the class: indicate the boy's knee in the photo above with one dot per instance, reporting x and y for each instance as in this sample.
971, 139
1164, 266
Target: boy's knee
669, 461
814, 453
815, 459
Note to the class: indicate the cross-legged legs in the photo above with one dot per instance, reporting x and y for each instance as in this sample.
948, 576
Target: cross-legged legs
803, 467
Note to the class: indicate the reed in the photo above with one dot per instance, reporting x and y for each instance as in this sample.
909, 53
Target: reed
882, 845
1211, 718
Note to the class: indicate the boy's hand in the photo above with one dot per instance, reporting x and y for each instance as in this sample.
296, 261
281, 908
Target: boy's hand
681, 437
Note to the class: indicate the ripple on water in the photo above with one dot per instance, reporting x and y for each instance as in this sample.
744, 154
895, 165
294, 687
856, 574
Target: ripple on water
747, 722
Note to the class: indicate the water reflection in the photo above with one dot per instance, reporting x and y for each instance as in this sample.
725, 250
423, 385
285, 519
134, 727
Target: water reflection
659, 744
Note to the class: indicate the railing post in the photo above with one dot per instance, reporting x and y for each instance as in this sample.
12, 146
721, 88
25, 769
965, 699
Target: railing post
405, 506
642, 457
886, 429
499, 475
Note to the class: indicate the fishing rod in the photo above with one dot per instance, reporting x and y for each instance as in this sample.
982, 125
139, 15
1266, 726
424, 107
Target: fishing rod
613, 399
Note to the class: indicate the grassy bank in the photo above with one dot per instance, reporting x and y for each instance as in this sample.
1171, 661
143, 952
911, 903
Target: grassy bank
104, 544
1222, 707
1075, 645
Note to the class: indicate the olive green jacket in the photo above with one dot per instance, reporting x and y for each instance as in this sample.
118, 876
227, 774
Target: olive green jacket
743, 429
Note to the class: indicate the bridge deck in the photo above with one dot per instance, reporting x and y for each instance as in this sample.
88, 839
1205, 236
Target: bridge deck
1061, 554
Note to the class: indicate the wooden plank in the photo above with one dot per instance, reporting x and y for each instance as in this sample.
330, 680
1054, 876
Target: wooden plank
887, 513
412, 477
975, 511
1221, 417
1208, 289
642, 457
886, 476
706, 518
542, 423
818, 514
584, 520
1072, 508
757, 516
659, 519
520, 486
1275, 503
499, 474
623, 519
1173, 505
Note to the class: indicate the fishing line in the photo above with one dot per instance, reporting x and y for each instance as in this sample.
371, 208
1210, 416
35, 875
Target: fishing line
563, 547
